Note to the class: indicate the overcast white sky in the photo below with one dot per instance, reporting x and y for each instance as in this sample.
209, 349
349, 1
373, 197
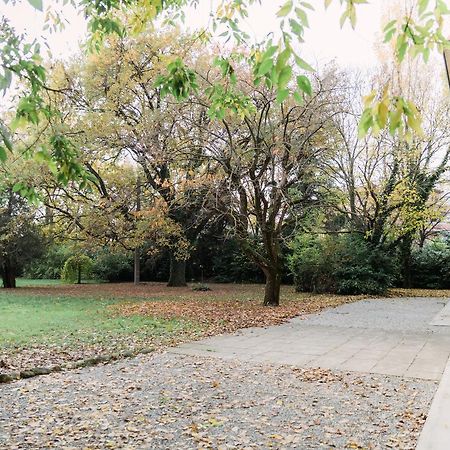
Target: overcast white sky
324, 41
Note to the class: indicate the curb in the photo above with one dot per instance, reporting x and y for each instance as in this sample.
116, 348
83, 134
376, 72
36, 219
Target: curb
88, 362
436, 431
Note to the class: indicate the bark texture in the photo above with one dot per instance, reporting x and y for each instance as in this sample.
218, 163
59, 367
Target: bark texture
177, 276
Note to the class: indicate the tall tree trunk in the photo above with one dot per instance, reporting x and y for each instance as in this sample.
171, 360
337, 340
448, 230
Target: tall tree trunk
137, 266
272, 289
137, 250
177, 276
79, 274
8, 276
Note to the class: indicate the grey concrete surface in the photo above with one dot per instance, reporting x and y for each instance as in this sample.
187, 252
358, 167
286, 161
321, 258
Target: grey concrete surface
442, 318
383, 336
408, 338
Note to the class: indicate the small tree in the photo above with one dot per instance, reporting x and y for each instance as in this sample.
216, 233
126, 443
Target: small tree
20, 237
76, 268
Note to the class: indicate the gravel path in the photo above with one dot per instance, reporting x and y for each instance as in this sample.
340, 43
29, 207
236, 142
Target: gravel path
177, 402
399, 314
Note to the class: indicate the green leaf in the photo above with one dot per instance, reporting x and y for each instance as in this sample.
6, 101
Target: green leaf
390, 25
298, 97
423, 4
365, 123
388, 35
285, 9
283, 58
282, 95
343, 18
265, 67
3, 155
307, 5
402, 51
41, 156
302, 16
36, 4
284, 77
6, 139
271, 50
296, 28
17, 187
303, 64
304, 84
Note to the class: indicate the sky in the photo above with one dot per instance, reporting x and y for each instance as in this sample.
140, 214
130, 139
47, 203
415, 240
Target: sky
325, 41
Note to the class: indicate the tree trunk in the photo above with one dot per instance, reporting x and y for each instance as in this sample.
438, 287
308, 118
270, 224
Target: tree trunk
137, 250
137, 266
177, 276
8, 276
79, 274
272, 290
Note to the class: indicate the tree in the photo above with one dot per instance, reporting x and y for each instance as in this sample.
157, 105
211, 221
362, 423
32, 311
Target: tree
390, 185
269, 160
77, 267
21, 240
255, 153
118, 113
105, 215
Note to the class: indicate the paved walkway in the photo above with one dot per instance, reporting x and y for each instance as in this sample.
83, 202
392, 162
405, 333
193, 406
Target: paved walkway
391, 337
409, 338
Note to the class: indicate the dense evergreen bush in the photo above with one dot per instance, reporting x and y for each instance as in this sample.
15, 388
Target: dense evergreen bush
430, 266
340, 264
49, 265
221, 260
113, 266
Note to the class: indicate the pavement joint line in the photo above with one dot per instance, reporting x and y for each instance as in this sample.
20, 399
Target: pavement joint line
417, 354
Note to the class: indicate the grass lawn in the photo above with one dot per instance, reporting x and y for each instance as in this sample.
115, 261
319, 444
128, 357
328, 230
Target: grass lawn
28, 320
25, 282
52, 330
46, 323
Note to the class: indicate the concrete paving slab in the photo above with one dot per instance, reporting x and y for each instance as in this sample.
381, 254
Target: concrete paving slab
413, 348
358, 365
442, 318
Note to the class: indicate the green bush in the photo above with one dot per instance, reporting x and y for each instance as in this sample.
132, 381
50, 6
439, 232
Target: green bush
309, 264
430, 267
113, 266
49, 265
76, 268
340, 264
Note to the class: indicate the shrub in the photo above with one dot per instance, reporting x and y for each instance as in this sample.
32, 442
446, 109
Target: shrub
340, 264
113, 266
49, 265
308, 264
76, 268
430, 266
362, 269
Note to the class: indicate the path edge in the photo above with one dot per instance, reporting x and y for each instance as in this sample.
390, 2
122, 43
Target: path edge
435, 434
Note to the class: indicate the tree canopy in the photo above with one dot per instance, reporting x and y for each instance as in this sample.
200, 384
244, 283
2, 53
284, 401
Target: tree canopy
157, 142
417, 33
